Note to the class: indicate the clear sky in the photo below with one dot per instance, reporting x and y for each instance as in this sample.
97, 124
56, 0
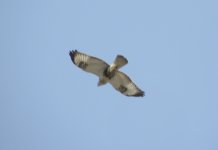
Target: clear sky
47, 103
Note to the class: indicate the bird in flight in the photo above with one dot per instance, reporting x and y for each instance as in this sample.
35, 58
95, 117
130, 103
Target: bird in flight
107, 73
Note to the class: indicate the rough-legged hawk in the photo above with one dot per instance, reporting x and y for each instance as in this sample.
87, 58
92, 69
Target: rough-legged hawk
107, 73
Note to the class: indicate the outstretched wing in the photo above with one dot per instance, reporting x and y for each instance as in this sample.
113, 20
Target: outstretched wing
124, 84
88, 63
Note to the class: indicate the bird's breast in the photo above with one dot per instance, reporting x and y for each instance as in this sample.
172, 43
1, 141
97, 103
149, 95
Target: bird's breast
109, 74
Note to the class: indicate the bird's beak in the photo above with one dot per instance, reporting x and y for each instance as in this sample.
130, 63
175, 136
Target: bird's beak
99, 84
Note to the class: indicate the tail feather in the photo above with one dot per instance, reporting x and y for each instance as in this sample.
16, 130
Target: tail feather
120, 61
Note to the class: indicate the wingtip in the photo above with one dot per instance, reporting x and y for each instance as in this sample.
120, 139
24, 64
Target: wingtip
72, 54
140, 94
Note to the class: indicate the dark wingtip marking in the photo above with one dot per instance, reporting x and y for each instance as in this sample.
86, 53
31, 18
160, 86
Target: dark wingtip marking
139, 94
72, 55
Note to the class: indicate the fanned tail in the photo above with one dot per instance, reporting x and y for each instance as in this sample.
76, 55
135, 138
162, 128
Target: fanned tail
120, 61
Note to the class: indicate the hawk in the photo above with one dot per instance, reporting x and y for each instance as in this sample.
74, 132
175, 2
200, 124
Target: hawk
107, 73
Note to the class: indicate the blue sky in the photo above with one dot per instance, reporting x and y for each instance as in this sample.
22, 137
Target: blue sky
47, 103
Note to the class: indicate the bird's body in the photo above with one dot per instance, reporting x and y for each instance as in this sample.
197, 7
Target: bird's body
107, 73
